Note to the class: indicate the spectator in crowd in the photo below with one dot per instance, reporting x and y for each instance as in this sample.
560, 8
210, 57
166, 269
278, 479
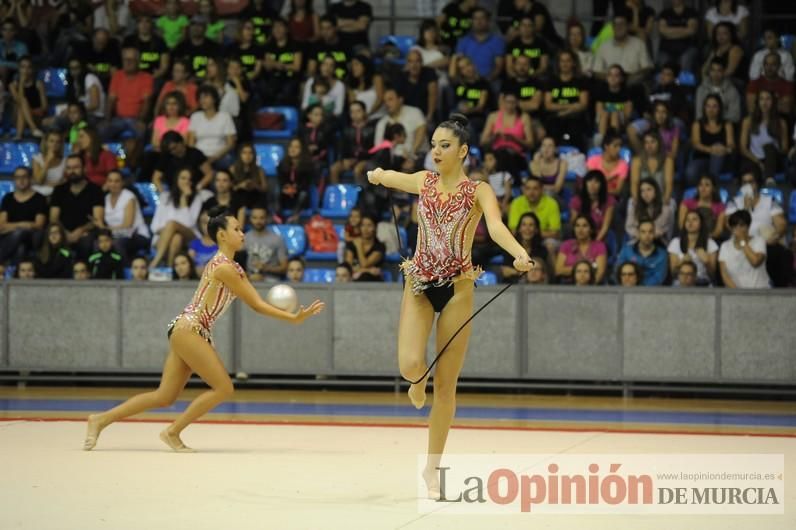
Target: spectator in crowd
180, 82
708, 203
97, 161
30, 99
764, 137
23, 214
486, 49
567, 103
106, 263
343, 273
654, 164
687, 275
249, 53
471, 92
266, 254
724, 45
742, 258
329, 45
155, 57
510, 12
139, 269
529, 235
595, 202
529, 90
325, 89
197, 49
355, 143
695, 246
767, 222
538, 274
183, 268
317, 133
629, 274
499, 179
664, 123
411, 118
365, 253
283, 62
101, 55
667, 89
79, 206
527, 43
230, 98
508, 134
456, 20
609, 162
215, 25
124, 219
11, 50
419, 86
175, 155
26, 269
678, 26
76, 115
652, 258
54, 258
717, 84
712, 141
80, 270
576, 43
129, 98
649, 206
613, 105
84, 87
263, 16
248, 178
295, 175
226, 196
429, 46
295, 270
212, 131
303, 21
174, 222
203, 248
353, 23
772, 81
583, 274
772, 44
582, 247
550, 168
533, 199
48, 164
172, 116
172, 24
625, 50
729, 11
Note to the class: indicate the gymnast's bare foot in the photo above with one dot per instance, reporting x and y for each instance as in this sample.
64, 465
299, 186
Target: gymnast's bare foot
174, 441
417, 394
432, 483
93, 429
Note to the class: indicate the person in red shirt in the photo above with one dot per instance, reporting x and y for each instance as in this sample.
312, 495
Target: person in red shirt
97, 161
771, 81
129, 98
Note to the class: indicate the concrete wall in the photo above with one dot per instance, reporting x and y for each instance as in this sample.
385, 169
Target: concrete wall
550, 333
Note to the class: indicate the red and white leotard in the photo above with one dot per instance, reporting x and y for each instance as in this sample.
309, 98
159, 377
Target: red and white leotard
209, 302
444, 235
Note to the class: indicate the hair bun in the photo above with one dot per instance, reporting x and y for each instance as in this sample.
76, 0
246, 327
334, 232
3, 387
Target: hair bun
459, 119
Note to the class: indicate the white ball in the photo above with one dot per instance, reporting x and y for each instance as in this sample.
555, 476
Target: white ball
284, 297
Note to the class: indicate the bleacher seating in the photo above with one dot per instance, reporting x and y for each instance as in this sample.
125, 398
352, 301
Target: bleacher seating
290, 128
55, 82
268, 157
149, 192
311, 255
338, 200
318, 275
294, 237
487, 278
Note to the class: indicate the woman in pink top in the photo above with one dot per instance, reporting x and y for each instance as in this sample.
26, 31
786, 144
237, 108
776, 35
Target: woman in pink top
508, 132
594, 201
171, 117
612, 166
181, 82
582, 247
191, 341
708, 202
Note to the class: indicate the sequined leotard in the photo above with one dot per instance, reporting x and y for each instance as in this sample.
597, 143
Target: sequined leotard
209, 301
444, 236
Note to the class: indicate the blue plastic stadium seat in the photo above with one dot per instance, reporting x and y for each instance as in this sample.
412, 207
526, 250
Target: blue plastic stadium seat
6, 186
319, 276
779, 177
395, 257
787, 41
338, 200
476, 153
403, 42
291, 124
311, 255
313, 204
15, 154
386, 275
497, 260
566, 196
118, 151
150, 194
487, 278
724, 195
128, 273
691, 193
775, 194
726, 177
294, 237
268, 157
792, 208
54, 80
611, 247
686, 78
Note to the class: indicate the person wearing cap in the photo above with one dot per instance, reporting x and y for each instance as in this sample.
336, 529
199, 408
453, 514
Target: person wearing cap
197, 48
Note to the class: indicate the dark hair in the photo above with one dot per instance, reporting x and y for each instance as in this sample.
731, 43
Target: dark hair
577, 24
714, 194
26, 169
239, 172
169, 138
75, 156
104, 232
76, 86
588, 219
175, 194
426, 24
307, 7
639, 272
773, 115
319, 81
718, 62
192, 275
730, 27
331, 19
592, 274
210, 91
688, 264
217, 220
702, 236
96, 144
366, 81
740, 217
602, 194
46, 250
720, 118
480, 9
181, 104
299, 259
393, 130
649, 212
25, 260
536, 240
611, 135
358, 103
458, 124
754, 170
673, 66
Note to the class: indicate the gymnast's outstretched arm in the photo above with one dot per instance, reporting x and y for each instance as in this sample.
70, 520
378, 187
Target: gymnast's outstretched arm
244, 290
497, 230
408, 182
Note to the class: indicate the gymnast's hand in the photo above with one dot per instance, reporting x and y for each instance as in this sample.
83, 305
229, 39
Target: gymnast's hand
524, 263
374, 176
304, 313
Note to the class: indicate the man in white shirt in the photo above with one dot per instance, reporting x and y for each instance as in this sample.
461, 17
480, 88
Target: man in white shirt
742, 258
411, 118
772, 44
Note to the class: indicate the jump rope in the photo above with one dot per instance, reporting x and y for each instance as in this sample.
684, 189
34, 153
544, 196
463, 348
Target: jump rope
401, 252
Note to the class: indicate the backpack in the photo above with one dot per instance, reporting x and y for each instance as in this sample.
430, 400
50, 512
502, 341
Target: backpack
321, 234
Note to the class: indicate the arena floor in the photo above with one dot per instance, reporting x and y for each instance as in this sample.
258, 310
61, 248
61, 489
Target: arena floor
328, 460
